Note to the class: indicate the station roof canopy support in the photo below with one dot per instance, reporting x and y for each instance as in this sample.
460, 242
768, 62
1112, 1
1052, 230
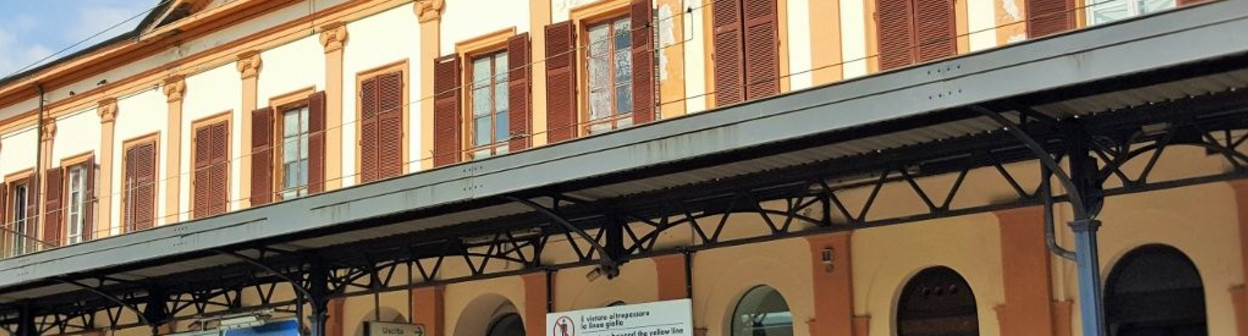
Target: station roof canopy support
1116, 77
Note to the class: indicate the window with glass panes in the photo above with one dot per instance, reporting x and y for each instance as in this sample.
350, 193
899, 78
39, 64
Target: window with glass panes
489, 105
294, 168
76, 220
1104, 11
20, 216
610, 75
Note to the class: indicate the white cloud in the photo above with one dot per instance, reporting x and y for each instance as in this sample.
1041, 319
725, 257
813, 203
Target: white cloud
16, 54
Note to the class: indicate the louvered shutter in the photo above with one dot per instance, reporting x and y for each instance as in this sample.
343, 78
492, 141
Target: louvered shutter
220, 167
33, 217
202, 183
262, 149
729, 55
4, 202
368, 130
90, 200
518, 93
895, 33
936, 32
53, 227
561, 111
643, 52
1046, 17
390, 125
762, 49
140, 201
316, 142
446, 111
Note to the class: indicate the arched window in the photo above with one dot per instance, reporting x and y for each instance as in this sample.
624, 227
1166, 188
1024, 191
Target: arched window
914, 31
762, 312
507, 325
937, 301
1155, 290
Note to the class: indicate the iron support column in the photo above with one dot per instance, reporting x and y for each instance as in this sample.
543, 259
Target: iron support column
26, 321
318, 280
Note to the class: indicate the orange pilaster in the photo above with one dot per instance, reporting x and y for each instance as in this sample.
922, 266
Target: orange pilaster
1025, 265
333, 324
672, 277
428, 309
534, 310
833, 285
1237, 294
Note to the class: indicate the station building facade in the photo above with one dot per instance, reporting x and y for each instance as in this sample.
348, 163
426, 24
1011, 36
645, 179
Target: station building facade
212, 107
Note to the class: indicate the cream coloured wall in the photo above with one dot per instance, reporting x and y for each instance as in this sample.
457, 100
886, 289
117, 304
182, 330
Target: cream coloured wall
114, 75
211, 93
71, 130
471, 306
1201, 221
854, 37
638, 283
138, 115
17, 151
467, 19
798, 19
981, 21
885, 258
722, 276
385, 38
291, 67
18, 108
695, 57
390, 307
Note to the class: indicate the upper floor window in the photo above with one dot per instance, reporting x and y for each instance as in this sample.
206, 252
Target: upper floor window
210, 182
915, 31
383, 104
295, 138
489, 124
76, 205
20, 228
610, 75
138, 192
1112, 10
746, 50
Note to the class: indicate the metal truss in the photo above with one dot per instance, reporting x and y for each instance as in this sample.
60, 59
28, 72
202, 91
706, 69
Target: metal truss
783, 203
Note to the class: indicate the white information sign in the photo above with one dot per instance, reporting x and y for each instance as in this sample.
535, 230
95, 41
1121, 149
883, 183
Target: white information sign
664, 318
374, 328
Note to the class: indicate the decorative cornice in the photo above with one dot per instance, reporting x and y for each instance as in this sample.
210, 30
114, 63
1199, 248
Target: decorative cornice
49, 131
334, 36
429, 10
175, 88
249, 64
107, 110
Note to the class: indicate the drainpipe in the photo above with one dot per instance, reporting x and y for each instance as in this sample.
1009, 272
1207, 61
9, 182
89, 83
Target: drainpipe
34, 179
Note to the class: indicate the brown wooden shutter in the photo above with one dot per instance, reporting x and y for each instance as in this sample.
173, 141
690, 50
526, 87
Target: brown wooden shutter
212, 169
390, 125
1047, 17
643, 52
4, 216
33, 217
518, 93
368, 130
262, 149
895, 33
90, 201
762, 49
446, 111
220, 167
140, 187
561, 111
936, 31
316, 142
201, 183
53, 227
729, 56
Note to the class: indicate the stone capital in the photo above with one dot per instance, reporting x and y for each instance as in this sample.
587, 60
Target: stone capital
429, 10
107, 110
249, 64
49, 131
175, 88
334, 36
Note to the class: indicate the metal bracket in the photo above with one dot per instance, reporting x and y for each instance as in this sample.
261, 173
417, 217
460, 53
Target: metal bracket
607, 264
142, 318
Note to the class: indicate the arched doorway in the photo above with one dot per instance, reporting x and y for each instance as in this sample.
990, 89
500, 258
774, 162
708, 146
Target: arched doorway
937, 301
507, 325
1155, 290
762, 312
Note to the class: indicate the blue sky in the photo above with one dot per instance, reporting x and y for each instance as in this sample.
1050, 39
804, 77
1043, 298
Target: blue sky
33, 29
